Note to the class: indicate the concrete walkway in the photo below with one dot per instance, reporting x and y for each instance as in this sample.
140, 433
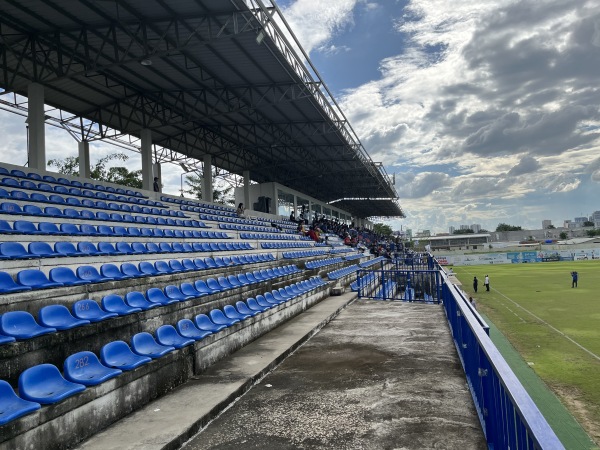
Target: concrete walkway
380, 375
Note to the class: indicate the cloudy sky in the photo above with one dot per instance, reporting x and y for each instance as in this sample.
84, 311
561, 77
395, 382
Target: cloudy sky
486, 111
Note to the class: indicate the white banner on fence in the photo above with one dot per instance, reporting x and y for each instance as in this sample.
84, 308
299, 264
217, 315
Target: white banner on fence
518, 257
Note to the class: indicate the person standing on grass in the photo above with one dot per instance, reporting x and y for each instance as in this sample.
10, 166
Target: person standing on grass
486, 283
475, 284
574, 277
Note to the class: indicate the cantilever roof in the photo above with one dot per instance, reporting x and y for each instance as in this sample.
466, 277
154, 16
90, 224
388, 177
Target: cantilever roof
207, 77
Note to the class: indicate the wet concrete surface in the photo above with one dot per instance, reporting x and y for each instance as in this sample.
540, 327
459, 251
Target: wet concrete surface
381, 375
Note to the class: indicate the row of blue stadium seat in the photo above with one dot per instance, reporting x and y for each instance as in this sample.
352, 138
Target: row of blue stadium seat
303, 254
87, 203
372, 262
217, 212
44, 384
50, 179
70, 229
386, 291
340, 273
260, 229
278, 237
295, 244
60, 189
21, 325
29, 279
323, 263
353, 257
238, 220
180, 201
363, 281
16, 250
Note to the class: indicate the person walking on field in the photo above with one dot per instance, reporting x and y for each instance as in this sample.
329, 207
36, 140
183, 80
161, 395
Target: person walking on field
486, 283
475, 283
574, 277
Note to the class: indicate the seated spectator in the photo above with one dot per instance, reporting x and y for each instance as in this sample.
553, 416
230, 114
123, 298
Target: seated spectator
240, 210
292, 217
313, 235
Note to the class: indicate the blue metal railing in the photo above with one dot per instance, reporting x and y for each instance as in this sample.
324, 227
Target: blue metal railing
509, 418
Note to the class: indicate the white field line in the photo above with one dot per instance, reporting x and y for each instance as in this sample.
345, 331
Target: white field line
550, 326
547, 324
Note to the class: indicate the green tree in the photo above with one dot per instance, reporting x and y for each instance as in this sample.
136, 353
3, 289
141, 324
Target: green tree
562, 235
550, 227
588, 223
382, 229
99, 171
505, 227
223, 196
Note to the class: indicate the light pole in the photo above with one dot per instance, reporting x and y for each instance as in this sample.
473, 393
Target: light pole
186, 171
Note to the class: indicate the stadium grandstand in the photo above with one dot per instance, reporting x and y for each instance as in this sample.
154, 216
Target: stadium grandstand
114, 298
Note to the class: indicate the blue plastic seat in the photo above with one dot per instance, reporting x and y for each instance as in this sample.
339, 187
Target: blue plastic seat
243, 309
148, 269
152, 247
66, 276
203, 288
251, 302
204, 323
88, 248
131, 270
49, 228
89, 230
90, 273
214, 285
156, 295
162, 267
124, 248
189, 290
167, 335
176, 266
59, 317
10, 208
234, 281
25, 227
136, 299
175, 293
44, 384
66, 249
12, 406
90, 310
22, 325
139, 248
14, 250
200, 264
188, 265
6, 228
187, 329
232, 313
144, 344
115, 303
52, 211
35, 279
41, 250
112, 271
118, 354
7, 284
85, 368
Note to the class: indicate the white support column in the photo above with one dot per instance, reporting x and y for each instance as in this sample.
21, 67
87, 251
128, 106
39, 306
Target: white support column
84, 159
207, 186
147, 176
247, 189
36, 126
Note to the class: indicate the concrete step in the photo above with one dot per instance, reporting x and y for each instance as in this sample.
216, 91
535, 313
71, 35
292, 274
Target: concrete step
171, 420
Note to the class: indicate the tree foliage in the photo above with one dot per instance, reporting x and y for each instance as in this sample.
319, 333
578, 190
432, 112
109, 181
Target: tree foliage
382, 229
562, 235
588, 223
223, 196
99, 171
505, 227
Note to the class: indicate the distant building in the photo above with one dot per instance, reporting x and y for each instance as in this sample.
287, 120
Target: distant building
546, 224
460, 242
476, 228
465, 227
581, 219
451, 229
566, 223
596, 219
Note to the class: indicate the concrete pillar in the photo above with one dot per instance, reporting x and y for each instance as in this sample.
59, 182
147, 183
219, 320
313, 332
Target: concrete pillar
296, 206
247, 189
147, 174
36, 127
157, 171
207, 186
84, 159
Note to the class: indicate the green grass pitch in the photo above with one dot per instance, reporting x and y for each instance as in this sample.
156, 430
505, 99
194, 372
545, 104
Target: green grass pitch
554, 327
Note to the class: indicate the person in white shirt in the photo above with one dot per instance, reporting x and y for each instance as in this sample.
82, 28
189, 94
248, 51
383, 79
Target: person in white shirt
486, 283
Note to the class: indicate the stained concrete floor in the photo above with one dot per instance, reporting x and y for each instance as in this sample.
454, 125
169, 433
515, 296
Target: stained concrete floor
381, 375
